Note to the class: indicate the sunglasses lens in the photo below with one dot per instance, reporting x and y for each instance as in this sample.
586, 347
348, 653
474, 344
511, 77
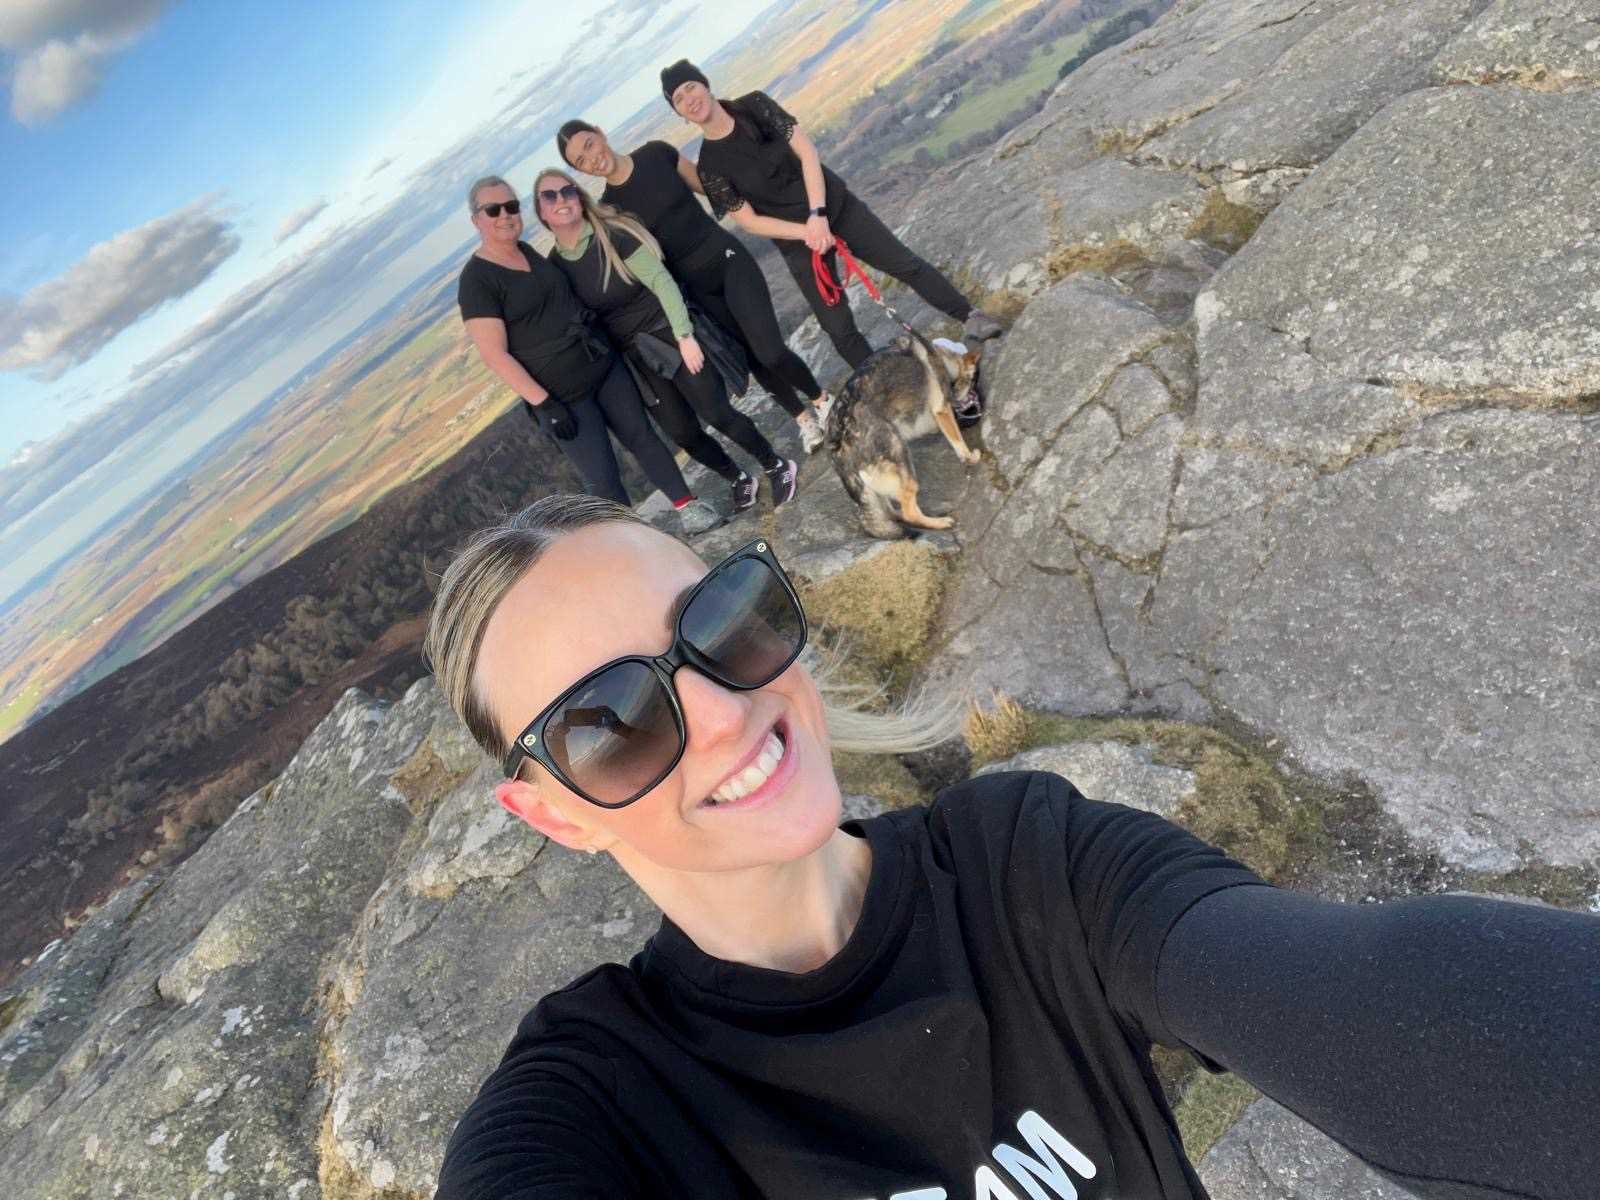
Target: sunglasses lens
617, 736
745, 623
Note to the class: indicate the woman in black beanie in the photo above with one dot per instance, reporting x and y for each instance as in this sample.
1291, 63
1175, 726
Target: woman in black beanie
657, 185
758, 164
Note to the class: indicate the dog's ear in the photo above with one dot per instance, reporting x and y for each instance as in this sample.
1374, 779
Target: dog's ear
971, 357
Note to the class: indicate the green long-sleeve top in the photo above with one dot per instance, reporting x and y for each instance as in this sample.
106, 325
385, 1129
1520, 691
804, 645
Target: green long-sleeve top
627, 308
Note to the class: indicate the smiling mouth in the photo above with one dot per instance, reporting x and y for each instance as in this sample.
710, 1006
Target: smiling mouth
757, 773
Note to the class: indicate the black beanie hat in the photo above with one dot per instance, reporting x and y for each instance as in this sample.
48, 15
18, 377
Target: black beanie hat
678, 74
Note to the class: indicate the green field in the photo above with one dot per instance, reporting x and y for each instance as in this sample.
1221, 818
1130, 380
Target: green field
981, 109
17, 711
972, 20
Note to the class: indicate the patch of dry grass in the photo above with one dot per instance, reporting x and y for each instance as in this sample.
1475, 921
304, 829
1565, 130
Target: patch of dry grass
881, 776
885, 608
424, 780
1000, 731
1107, 258
1242, 801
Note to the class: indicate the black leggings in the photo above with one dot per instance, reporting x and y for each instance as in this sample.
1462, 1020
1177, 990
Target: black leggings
871, 243
724, 280
1449, 1041
615, 406
688, 398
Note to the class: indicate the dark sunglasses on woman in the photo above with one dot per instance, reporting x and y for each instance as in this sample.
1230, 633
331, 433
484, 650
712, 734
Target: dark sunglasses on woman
567, 191
493, 210
619, 730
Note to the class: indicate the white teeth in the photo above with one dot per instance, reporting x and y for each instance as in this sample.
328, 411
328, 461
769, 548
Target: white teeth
753, 776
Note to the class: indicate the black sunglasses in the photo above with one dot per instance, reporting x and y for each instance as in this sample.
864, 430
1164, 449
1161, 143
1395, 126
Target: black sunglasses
619, 730
493, 210
567, 191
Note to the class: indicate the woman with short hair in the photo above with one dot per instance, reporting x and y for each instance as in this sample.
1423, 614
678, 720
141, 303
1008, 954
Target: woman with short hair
758, 164
957, 1000
658, 185
529, 329
616, 272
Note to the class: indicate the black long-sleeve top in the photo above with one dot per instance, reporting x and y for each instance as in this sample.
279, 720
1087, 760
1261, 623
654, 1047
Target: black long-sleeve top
984, 1032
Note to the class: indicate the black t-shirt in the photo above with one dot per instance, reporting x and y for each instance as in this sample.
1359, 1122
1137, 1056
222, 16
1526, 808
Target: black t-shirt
625, 306
663, 202
988, 1019
755, 164
546, 328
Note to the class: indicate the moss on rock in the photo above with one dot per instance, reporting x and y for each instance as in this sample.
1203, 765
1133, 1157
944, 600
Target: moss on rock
885, 607
1243, 802
1224, 224
9, 1008
1564, 887
881, 776
1209, 1106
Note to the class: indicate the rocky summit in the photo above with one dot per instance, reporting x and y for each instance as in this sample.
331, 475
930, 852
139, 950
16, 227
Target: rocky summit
1283, 530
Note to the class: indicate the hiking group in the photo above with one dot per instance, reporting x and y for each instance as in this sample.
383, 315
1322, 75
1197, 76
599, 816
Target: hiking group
646, 304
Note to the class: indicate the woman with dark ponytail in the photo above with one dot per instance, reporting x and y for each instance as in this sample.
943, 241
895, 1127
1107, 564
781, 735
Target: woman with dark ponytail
657, 185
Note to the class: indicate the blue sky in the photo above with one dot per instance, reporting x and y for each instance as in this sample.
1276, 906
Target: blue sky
264, 105
201, 198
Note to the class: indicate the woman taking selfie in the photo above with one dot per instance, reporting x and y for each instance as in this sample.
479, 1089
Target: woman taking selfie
657, 185
956, 1000
529, 329
616, 273
758, 164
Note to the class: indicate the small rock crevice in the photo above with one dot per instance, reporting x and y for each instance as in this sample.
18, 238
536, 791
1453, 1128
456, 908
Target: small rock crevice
1117, 660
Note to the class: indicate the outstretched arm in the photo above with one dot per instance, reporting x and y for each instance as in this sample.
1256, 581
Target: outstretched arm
1452, 1042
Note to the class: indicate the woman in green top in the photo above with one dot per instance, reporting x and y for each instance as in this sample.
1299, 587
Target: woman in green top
616, 271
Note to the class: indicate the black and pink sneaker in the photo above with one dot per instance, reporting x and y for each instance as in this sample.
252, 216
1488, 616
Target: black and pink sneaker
744, 492
783, 478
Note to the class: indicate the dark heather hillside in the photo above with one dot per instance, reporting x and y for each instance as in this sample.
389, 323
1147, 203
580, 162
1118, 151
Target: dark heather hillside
1283, 530
136, 770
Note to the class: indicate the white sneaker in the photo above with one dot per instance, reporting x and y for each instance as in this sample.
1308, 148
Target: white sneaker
696, 517
814, 424
811, 435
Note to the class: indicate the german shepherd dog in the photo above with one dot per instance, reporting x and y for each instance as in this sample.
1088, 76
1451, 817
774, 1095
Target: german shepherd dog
905, 391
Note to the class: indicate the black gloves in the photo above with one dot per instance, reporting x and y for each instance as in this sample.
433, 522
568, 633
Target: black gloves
556, 418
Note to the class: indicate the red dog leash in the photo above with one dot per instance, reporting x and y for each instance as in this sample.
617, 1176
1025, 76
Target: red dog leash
832, 290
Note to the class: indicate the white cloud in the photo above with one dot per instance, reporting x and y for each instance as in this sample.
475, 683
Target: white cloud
68, 320
297, 220
63, 47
